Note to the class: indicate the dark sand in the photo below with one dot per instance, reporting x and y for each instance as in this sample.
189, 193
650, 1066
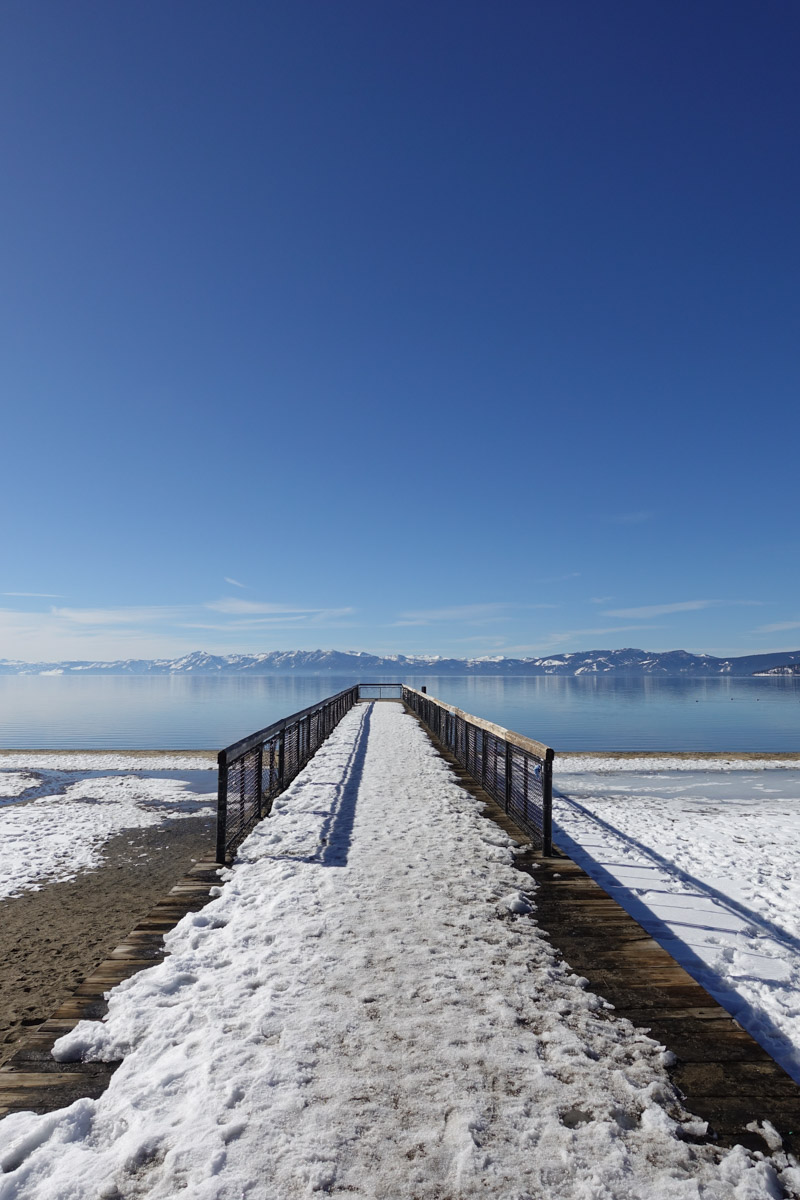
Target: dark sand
51, 939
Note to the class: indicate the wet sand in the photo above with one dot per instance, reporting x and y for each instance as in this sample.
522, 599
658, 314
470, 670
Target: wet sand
51, 939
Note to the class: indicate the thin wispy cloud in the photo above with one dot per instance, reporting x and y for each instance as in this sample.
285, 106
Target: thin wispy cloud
155, 631
778, 627
233, 582
305, 619
471, 614
601, 599
266, 612
572, 639
659, 610
495, 643
36, 595
132, 615
236, 606
574, 635
51, 636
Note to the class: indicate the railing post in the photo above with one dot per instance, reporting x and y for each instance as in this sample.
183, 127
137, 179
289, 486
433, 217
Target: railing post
260, 781
222, 804
508, 777
547, 805
281, 756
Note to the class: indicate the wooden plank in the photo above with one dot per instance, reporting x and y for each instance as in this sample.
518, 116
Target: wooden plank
727, 1079
32, 1079
53, 1085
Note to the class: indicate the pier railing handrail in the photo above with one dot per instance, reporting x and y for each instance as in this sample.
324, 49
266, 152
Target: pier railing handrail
516, 771
261, 735
257, 768
538, 749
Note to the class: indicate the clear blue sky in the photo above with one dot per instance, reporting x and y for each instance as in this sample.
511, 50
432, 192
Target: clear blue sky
449, 327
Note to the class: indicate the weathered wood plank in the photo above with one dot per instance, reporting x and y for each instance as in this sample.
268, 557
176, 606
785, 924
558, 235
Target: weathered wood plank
726, 1077
52, 1085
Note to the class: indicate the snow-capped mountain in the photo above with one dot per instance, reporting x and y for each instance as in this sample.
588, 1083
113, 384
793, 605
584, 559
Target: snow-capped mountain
357, 664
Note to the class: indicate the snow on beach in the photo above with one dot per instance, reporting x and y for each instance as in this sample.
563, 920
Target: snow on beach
107, 760
54, 823
15, 783
366, 1009
706, 860
613, 764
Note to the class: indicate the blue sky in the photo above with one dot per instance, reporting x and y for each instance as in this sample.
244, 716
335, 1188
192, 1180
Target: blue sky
442, 327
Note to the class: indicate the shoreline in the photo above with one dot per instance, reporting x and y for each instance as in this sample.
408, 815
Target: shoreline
53, 937
210, 756
106, 751
711, 755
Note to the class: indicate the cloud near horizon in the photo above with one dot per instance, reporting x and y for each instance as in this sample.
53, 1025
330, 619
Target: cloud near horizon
153, 631
254, 613
235, 606
568, 635
473, 614
144, 614
659, 610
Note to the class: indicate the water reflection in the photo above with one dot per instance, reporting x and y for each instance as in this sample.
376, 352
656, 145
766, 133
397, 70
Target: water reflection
583, 713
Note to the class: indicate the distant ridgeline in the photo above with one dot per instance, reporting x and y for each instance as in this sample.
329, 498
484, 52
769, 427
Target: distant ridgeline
357, 665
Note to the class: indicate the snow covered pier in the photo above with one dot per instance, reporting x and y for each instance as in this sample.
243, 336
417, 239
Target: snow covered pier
368, 1008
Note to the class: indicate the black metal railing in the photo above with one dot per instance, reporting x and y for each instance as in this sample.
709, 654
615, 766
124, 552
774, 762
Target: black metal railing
253, 771
380, 691
516, 771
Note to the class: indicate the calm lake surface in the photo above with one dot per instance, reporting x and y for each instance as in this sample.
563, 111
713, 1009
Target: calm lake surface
584, 713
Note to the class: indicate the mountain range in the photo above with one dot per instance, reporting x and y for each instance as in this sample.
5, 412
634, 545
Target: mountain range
366, 667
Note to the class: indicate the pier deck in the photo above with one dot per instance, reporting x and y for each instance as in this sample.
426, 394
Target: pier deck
727, 1079
414, 976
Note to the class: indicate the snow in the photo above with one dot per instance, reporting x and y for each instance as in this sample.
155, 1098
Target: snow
14, 783
603, 764
367, 1009
55, 824
706, 861
105, 760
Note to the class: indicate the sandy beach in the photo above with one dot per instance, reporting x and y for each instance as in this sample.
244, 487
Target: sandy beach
51, 939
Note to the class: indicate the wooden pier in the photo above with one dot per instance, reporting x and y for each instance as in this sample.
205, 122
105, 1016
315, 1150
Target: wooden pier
725, 1077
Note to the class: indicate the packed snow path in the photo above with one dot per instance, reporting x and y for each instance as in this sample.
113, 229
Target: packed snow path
368, 1010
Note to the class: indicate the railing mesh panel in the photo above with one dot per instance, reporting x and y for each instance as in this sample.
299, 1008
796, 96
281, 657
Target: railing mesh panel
516, 778
252, 773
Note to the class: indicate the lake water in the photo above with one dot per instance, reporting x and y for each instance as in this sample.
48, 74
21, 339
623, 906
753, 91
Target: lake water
584, 713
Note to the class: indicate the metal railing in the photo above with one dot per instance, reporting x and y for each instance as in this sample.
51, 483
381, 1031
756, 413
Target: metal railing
380, 691
253, 771
516, 771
